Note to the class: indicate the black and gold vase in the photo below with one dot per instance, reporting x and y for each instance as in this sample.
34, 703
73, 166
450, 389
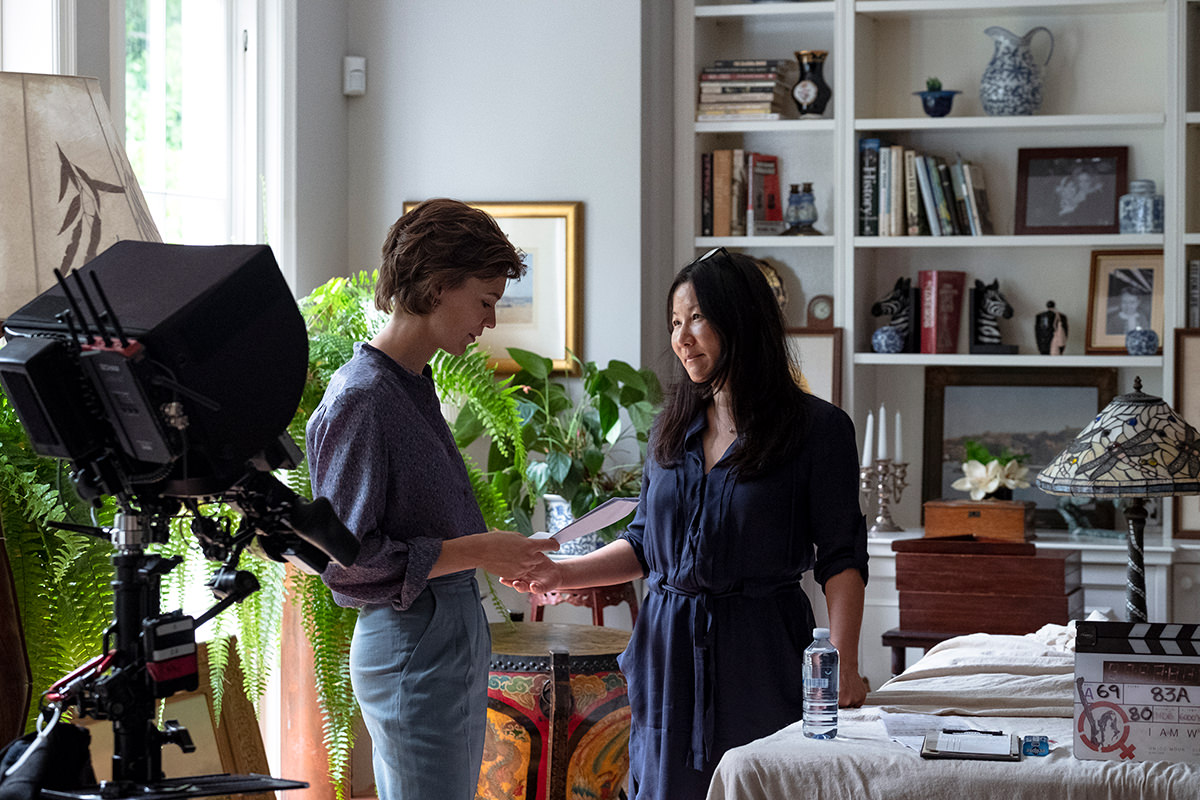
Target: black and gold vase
811, 92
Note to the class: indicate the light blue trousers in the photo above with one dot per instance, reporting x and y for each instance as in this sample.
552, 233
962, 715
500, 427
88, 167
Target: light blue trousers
420, 677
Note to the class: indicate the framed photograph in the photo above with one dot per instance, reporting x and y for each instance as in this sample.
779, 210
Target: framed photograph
1069, 189
819, 354
1125, 292
1028, 411
540, 312
1187, 405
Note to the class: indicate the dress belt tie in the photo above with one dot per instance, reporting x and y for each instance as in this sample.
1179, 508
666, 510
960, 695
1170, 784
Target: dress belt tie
703, 708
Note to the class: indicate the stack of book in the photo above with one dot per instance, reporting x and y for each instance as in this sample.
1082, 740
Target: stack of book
740, 194
903, 192
745, 89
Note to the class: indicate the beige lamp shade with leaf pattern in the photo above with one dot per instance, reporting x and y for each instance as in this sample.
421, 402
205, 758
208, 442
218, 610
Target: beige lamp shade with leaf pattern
67, 187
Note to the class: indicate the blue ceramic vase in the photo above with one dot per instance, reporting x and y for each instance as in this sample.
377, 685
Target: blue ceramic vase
1012, 83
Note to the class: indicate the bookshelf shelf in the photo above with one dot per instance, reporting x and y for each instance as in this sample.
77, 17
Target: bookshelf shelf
772, 10
1094, 242
768, 126
765, 241
1033, 123
1017, 360
980, 8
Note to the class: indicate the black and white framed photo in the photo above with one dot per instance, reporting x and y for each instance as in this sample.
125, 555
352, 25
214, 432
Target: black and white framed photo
1125, 292
1069, 190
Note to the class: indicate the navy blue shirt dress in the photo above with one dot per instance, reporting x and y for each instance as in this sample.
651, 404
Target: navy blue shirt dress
715, 658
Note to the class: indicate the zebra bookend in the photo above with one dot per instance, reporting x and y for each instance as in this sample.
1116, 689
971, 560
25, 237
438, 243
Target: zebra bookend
988, 307
902, 334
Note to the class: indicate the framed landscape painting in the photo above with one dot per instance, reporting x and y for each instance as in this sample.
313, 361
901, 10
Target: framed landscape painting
540, 312
1028, 411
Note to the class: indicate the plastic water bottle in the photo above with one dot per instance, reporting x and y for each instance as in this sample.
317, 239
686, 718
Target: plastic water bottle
820, 687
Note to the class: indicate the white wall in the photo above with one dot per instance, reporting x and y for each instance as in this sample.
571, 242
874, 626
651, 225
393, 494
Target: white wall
518, 100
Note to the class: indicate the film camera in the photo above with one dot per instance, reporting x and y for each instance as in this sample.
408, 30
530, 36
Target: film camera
166, 376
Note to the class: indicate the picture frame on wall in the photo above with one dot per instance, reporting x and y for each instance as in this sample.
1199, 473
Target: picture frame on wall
1026, 410
1125, 291
818, 352
540, 312
1070, 190
1187, 404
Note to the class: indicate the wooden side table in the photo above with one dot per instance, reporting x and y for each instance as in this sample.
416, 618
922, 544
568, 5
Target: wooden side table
899, 640
597, 598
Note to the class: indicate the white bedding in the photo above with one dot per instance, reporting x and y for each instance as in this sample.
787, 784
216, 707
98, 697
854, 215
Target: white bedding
1020, 684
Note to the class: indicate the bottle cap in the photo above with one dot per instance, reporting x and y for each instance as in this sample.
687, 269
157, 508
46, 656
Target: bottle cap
820, 633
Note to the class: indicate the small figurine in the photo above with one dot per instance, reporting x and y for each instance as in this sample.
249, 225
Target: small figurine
1050, 330
900, 304
988, 307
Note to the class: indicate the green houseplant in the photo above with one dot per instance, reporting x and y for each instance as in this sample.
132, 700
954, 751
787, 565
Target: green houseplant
586, 451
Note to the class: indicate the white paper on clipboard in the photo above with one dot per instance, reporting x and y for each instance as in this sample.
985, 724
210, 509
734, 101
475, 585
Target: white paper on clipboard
603, 515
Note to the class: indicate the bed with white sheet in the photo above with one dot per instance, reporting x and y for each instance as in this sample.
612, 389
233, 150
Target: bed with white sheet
1018, 684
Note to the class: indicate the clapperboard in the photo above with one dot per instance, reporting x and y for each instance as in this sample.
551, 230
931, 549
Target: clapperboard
1137, 691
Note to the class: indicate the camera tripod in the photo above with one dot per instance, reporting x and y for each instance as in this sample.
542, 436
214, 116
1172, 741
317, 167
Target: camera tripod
147, 656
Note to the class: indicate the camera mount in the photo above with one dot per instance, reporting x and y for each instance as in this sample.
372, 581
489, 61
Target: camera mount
176, 393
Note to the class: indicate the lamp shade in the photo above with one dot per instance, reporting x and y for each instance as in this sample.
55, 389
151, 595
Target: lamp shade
1136, 447
69, 190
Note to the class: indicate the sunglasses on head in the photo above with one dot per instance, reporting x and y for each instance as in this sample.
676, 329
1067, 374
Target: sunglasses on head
715, 251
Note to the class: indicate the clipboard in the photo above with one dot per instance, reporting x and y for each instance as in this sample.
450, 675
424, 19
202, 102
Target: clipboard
973, 745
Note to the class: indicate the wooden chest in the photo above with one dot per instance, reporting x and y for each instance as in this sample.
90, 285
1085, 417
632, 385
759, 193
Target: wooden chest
999, 520
971, 586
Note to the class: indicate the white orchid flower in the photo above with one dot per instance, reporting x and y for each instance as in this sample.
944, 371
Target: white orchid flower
1013, 475
978, 479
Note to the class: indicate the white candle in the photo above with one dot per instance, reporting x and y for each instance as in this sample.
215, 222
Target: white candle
883, 443
867, 440
899, 445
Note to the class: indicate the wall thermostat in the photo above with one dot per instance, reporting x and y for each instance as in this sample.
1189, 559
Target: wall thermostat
354, 76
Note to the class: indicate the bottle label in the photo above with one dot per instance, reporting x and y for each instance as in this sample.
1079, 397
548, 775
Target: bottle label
817, 683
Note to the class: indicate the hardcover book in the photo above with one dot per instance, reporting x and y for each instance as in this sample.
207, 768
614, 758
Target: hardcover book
764, 209
737, 194
896, 200
977, 196
941, 309
868, 187
706, 194
928, 201
722, 188
914, 212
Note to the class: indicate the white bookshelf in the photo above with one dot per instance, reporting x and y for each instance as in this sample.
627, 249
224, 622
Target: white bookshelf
1122, 73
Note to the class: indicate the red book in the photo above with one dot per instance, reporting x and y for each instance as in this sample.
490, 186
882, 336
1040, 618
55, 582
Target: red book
764, 211
941, 308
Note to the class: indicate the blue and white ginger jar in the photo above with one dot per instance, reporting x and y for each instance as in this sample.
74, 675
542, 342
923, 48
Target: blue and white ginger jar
1012, 83
1141, 211
887, 340
1141, 342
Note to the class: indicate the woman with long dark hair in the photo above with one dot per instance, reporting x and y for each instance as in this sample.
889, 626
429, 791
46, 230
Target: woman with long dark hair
750, 483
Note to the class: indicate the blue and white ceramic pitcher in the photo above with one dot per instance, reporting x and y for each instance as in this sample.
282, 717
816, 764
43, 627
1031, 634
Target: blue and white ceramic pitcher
1012, 82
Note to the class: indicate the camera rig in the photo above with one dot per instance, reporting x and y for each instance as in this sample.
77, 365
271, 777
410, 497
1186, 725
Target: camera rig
166, 375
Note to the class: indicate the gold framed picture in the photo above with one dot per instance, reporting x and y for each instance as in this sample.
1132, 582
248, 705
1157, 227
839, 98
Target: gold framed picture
540, 312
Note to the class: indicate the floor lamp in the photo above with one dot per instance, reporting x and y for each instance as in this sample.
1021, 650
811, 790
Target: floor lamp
1137, 447
68, 193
